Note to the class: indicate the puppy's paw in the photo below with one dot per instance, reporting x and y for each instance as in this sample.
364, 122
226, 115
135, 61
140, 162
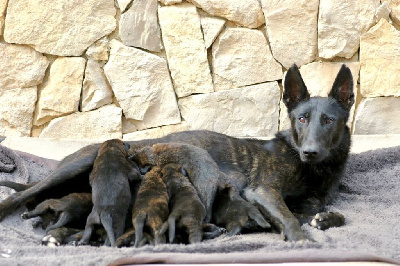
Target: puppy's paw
50, 241
25, 215
325, 220
211, 231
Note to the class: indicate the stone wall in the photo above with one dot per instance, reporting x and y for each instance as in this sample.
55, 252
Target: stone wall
145, 68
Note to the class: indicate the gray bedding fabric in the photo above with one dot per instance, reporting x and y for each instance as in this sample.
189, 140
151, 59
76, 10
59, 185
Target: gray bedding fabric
369, 198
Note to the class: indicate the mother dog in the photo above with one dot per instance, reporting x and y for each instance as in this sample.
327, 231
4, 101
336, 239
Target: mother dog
289, 177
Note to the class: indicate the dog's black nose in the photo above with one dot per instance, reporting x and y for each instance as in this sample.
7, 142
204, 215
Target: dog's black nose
309, 153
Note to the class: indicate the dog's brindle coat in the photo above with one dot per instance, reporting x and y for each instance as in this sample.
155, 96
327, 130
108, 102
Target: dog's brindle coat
72, 209
151, 206
295, 170
187, 210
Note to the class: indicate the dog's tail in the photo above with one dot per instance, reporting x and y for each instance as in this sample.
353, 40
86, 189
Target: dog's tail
16, 186
107, 222
139, 222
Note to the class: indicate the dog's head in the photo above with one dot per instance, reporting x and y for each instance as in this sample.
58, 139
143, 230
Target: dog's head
317, 123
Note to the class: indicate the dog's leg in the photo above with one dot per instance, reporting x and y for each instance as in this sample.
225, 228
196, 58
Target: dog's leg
311, 211
211, 231
171, 228
107, 222
126, 239
63, 219
58, 236
92, 219
40, 209
70, 167
272, 204
139, 222
325, 220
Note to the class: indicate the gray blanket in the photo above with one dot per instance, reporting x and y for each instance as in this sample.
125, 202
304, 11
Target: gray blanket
369, 198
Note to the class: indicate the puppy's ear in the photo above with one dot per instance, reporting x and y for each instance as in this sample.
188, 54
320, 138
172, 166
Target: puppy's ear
342, 89
295, 90
127, 146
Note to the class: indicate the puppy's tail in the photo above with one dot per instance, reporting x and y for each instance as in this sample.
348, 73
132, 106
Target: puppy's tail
107, 222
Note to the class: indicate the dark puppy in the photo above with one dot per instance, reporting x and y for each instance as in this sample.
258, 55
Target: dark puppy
111, 193
234, 213
187, 210
72, 209
151, 206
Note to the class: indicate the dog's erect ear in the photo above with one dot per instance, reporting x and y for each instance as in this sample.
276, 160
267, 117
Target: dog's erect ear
342, 89
295, 91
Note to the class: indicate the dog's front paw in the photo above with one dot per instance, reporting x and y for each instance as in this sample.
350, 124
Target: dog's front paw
25, 215
50, 241
325, 220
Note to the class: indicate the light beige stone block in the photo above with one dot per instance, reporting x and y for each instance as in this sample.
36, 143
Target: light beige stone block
3, 8
245, 13
102, 123
243, 112
139, 27
186, 53
242, 57
98, 50
211, 27
96, 91
378, 116
142, 86
21, 66
16, 111
62, 27
60, 93
340, 25
292, 30
379, 58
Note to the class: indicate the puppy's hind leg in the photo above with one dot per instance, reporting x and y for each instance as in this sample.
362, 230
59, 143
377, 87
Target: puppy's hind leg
139, 225
107, 222
171, 228
194, 230
92, 219
40, 209
63, 219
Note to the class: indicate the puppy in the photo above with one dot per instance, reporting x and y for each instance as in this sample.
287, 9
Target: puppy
187, 210
202, 171
111, 193
233, 212
72, 209
151, 206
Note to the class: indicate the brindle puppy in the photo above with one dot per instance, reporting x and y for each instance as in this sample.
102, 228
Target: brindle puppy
72, 209
203, 172
233, 212
151, 206
111, 191
187, 210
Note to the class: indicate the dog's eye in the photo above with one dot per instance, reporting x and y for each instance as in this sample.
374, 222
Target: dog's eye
302, 119
328, 121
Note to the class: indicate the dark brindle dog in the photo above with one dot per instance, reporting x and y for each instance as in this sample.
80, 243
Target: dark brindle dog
289, 176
